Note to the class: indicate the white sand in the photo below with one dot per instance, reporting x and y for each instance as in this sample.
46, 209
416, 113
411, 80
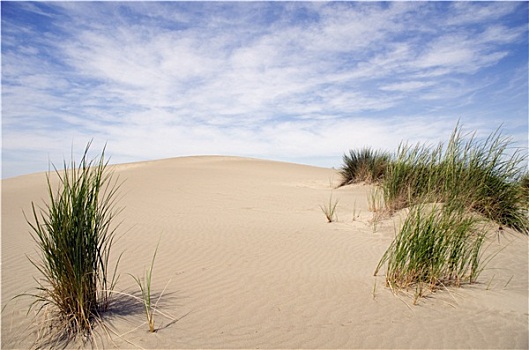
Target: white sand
249, 261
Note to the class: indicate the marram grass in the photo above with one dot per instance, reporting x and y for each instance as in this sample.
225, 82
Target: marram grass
451, 190
485, 177
438, 245
74, 235
364, 165
524, 190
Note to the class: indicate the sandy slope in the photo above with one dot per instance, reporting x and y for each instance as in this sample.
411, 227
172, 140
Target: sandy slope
250, 262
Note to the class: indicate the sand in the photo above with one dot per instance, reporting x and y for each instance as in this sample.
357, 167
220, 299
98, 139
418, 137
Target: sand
247, 260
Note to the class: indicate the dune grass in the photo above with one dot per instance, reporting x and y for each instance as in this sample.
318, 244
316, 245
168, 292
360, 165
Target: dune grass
74, 236
488, 177
450, 189
145, 289
364, 165
524, 190
483, 176
150, 306
438, 245
329, 210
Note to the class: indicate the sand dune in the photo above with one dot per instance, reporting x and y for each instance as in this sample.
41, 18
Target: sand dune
249, 261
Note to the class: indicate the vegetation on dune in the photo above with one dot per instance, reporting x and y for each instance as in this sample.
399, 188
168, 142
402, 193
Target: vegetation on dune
483, 176
145, 289
438, 245
450, 189
364, 165
480, 176
524, 190
74, 235
329, 210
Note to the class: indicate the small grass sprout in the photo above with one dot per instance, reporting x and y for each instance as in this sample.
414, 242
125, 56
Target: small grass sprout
356, 212
490, 282
330, 210
145, 289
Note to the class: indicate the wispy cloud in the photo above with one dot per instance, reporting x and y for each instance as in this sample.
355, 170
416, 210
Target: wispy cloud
295, 81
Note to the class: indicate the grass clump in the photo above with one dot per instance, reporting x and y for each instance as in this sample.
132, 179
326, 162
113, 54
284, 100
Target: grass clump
449, 189
364, 165
438, 245
482, 176
74, 236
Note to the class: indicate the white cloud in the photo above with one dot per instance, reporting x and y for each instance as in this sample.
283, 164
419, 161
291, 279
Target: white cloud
407, 86
278, 80
464, 13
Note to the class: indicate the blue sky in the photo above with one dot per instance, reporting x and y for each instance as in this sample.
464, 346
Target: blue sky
294, 81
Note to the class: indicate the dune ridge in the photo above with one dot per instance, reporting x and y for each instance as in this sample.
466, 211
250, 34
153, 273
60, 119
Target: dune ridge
250, 262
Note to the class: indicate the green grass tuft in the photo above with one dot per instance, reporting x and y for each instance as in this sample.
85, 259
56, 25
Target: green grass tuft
481, 176
364, 165
448, 188
74, 236
438, 245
